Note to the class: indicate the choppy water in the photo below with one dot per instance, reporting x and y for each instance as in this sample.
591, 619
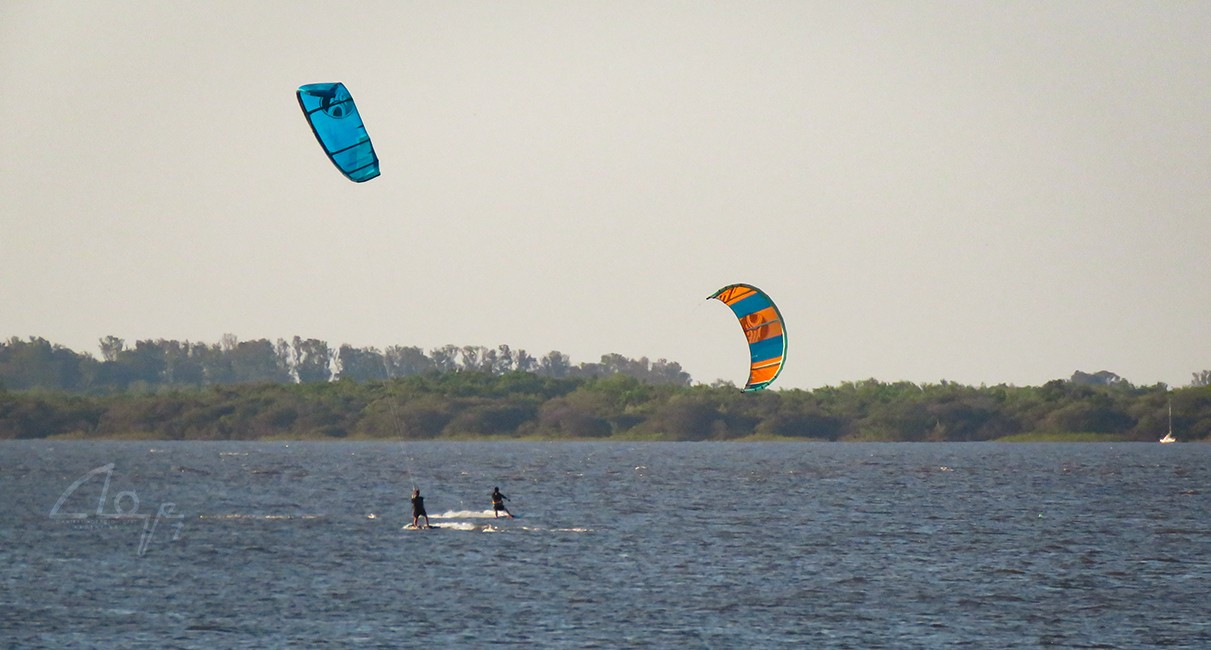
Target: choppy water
619, 545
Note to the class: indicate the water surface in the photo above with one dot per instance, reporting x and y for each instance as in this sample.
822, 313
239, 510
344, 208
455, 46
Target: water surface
715, 545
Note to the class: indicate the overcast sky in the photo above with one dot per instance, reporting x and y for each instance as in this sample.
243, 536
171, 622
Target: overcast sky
983, 192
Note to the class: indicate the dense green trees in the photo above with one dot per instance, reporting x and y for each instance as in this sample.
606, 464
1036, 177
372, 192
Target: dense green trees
160, 364
479, 404
305, 389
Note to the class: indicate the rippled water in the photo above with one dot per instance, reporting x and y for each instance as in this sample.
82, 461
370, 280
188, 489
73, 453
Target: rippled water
618, 545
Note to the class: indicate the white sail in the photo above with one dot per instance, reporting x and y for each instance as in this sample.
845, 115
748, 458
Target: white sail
1168, 437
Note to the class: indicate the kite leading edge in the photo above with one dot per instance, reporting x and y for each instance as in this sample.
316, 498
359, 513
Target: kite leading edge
338, 127
762, 325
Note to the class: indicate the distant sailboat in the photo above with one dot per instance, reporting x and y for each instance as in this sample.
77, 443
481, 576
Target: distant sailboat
1169, 436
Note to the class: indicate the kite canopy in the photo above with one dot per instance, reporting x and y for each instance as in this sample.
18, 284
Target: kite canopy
334, 119
762, 325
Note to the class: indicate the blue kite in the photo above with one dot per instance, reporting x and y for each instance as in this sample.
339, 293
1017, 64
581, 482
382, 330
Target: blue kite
338, 127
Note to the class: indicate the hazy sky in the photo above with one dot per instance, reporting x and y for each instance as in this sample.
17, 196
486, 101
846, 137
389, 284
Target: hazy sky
984, 192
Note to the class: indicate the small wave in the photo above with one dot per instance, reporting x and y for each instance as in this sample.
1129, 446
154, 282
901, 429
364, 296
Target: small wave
470, 526
1182, 531
451, 525
461, 525
259, 517
465, 514
208, 627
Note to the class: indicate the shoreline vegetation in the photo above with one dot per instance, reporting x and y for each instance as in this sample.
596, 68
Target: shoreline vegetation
1066, 438
166, 390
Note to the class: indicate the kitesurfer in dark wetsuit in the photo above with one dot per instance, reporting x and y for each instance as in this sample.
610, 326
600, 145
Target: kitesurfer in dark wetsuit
498, 504
418, 509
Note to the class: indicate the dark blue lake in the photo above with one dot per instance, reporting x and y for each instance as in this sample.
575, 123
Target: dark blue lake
703, 545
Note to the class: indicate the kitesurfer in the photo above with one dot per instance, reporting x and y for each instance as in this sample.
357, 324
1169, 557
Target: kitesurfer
498, 504
418, 509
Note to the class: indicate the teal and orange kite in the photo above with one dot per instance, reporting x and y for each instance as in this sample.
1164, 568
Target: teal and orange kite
762, 324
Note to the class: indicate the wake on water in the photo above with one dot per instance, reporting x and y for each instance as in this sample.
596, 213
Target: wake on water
483, 521
450, 520
470, 514
473, 520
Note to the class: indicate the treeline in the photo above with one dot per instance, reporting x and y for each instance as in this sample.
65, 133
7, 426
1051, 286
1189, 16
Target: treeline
454, 405
153, 365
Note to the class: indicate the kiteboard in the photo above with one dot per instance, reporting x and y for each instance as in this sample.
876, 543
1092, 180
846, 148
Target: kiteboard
411, 527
